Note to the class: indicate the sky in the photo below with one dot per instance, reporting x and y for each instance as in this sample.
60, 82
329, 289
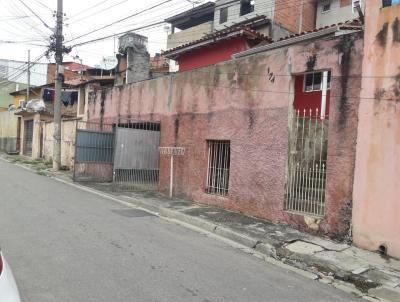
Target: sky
26, 31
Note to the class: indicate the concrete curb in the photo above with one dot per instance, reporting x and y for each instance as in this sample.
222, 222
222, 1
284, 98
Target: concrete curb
262, 250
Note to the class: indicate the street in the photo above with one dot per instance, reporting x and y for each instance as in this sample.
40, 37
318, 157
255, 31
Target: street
65, 244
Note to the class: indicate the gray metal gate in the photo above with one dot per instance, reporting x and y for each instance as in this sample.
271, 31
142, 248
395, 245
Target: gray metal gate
137, 157
94, 152
28, 138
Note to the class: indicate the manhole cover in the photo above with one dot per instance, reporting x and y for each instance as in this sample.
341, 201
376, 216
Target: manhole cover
133, 213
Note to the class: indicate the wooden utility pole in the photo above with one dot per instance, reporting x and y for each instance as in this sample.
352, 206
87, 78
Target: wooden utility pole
58, 87
28, 88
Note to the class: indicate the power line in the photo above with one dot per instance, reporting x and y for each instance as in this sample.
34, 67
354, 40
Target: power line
17, 74
31, 27
120, 33
41, 20
45, 6
87, 9
14, 18
22, 42
159, 23
120, 20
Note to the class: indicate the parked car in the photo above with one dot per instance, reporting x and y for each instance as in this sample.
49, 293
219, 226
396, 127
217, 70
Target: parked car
8, 287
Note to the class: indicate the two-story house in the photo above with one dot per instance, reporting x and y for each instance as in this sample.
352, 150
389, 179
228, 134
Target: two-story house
226, 18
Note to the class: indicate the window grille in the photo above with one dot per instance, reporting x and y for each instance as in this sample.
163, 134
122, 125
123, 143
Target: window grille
219, 155
223, 15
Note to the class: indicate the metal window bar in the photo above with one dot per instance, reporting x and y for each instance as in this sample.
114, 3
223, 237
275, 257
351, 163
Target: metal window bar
306, 168
218, 167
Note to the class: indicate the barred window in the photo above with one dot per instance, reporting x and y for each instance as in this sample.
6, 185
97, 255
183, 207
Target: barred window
219, 155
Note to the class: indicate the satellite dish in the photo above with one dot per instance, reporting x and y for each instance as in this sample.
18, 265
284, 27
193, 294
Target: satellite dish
109, 63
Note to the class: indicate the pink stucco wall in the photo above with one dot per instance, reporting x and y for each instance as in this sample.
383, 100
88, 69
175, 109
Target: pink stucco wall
236, 101
376, 209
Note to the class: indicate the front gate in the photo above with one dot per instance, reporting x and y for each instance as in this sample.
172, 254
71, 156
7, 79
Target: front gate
125, 154
28, 138
137, 157
94, 152
306, 173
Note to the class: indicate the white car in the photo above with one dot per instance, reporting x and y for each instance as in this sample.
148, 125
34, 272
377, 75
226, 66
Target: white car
8, 287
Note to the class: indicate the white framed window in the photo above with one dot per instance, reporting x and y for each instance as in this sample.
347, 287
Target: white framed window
219, 156
326, 6
355, 4
313, 81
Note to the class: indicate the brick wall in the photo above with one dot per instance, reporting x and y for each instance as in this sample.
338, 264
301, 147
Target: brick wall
288, 13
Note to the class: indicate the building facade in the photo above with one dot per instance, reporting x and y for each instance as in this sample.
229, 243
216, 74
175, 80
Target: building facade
376, 198
335, 11
239, 121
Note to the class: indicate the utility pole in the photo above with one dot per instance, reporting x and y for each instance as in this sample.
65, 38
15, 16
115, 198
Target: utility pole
58, 87
28, 88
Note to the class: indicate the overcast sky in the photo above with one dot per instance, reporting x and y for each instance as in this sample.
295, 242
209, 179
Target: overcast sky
18, 24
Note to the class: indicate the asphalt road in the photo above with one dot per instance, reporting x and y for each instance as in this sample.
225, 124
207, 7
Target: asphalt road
64, 244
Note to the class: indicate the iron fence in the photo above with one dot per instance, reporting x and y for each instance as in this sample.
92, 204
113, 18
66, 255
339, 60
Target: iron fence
94, 152
306, 175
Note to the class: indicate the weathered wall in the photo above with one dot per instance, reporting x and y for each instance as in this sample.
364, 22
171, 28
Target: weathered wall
247, 101
188, 35
138, 63
377, 180
68, 132
8, 131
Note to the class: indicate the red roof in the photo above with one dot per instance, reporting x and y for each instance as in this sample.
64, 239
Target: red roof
349, 25
251, 34
218, 36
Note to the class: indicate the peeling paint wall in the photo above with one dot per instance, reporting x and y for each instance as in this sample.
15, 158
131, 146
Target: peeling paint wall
68, 133
376, 206
248, 101
8, 131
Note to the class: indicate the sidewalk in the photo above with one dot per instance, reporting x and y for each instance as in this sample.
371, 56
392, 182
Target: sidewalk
363, 273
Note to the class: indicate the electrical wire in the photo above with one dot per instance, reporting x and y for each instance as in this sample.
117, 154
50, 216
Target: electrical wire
93, 13
41, 20
160, 22
123, 19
